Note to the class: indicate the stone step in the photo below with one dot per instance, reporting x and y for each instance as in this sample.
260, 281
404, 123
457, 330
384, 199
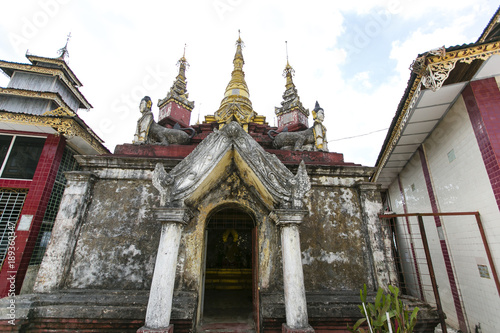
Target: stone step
228, 278
227, 327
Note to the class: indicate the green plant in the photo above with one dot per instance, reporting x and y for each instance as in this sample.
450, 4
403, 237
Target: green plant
387, 310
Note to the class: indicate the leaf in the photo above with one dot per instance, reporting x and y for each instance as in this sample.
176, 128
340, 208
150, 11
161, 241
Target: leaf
378, 297
364, 293
414, 314
358, 323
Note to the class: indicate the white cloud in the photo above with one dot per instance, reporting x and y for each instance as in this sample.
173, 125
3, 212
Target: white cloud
123, 50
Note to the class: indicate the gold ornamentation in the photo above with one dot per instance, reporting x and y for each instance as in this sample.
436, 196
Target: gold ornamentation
490, 27
66, 126
13, 190
467, 55
60, 112
226, 233
398, 128
236, 104
437, 62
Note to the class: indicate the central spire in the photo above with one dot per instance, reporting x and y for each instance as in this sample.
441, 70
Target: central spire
236, 104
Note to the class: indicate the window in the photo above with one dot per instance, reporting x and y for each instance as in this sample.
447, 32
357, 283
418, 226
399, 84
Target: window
11, 204
19, 156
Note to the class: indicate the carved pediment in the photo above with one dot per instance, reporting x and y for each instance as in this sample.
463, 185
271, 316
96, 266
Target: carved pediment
194, 175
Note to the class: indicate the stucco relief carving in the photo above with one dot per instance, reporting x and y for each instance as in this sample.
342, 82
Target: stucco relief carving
286, 189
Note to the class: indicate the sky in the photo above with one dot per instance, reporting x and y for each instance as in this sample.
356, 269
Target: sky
352, 57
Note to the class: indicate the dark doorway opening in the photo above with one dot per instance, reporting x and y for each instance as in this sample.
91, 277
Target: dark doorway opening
229, 282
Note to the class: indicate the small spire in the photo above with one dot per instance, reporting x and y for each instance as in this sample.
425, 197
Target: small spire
184, 54
63, 52
183, 64
291, 100
288, 72
286, 47
178, 91
239, 42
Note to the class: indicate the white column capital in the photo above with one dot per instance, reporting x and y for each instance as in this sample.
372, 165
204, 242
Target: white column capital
170, 215
288, 217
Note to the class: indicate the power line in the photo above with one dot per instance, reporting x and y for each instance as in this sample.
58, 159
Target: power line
357, 136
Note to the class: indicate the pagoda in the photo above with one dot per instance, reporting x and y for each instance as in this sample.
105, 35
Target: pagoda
236, 104
175, 107
292, 113
214, 227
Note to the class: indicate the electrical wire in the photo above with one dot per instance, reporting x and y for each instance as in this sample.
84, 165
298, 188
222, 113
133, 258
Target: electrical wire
357, 136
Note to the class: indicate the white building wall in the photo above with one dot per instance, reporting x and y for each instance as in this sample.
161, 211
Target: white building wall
418, 201
460, 184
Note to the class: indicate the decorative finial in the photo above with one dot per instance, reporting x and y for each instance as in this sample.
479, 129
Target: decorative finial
182, 63
286, 47
239, 42
63, 52
289, 72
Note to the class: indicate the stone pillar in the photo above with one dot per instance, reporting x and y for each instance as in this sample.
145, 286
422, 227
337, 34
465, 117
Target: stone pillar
378, 235
162, 287
57, 259
293, 275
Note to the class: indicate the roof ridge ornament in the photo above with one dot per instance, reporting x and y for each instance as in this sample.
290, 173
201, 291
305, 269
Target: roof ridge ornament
63, 52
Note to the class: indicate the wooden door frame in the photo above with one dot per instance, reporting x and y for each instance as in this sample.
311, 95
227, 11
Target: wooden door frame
255, 278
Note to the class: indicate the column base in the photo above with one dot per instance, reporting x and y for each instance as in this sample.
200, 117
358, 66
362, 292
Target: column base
286, 329
168, 329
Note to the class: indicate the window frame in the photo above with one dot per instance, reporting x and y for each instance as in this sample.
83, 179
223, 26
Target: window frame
7, 155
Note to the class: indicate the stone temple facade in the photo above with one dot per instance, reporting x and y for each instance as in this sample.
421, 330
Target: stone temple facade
230, 225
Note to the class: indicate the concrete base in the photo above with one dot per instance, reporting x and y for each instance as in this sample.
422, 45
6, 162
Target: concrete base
168, 329
286, 329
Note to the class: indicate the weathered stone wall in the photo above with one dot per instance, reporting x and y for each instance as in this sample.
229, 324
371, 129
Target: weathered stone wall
335, 251
118, 241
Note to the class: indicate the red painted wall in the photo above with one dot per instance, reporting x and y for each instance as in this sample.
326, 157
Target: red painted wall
39, 189
482, 100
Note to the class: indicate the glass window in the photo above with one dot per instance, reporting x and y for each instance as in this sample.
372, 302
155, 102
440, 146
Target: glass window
5, 141
23, 158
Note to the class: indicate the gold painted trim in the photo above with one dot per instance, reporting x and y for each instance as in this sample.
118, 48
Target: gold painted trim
48, 71
173, 99
402, 120
490, 27
60, 112
35, 94
466, 55
209, 119
66, 126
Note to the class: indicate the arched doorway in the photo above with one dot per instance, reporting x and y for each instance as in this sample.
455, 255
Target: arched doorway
230, 292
